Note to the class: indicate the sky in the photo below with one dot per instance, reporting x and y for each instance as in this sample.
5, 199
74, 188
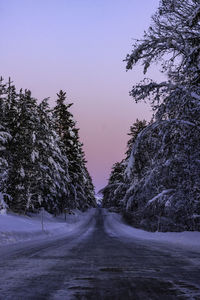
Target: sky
79, 46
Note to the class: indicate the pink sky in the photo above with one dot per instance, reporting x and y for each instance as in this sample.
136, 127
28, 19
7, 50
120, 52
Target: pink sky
79, 46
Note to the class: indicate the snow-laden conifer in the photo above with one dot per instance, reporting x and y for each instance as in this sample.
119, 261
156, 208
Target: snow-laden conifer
118, 182
34, 150
173, 40
162, 172
53, 164
5, 137
81, 193
163, 168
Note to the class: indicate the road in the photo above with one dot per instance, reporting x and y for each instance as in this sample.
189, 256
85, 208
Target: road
93, 264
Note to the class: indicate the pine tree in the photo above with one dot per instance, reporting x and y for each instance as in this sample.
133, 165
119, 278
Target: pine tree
117, 171
53, 164
66, 128
3, 95
89, 189
135, 129
12, 108
4, 137
114, 192
4, 140
23, 173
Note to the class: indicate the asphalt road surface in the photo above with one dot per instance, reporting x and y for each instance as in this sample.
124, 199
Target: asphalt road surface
93, 264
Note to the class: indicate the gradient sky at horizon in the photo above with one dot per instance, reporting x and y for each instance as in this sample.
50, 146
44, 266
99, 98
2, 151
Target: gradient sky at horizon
79, 46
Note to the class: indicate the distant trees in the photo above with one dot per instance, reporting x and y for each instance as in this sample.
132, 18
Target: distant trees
37, 154
114, 192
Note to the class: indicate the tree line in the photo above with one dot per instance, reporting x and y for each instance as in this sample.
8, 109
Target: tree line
158, 186
42, 162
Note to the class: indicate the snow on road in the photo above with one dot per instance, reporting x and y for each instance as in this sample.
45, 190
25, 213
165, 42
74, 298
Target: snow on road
115, 226
15, 228
93, 263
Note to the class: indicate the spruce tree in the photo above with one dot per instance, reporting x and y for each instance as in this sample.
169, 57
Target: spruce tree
114, 192
53, 163
135, 129
65, 126
4, 140
116, 175
23, 173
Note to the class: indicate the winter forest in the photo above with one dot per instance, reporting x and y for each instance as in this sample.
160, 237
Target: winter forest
42, 160
156, 186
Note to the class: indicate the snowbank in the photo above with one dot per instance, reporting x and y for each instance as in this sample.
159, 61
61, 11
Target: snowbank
15, 228
115, 225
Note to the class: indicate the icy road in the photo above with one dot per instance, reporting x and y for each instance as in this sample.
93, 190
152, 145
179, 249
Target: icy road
96, 263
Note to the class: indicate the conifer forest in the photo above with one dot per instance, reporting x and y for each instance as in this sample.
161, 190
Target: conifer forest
42, 160
157, 185
113, 227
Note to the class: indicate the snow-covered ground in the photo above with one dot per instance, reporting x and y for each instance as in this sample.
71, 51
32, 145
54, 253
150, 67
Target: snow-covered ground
15, 228
115, 226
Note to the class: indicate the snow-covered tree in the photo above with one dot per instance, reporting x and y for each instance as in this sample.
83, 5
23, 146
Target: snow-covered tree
4, 166
89, 188
163, 172
34, 162
135, 129
38, 174
4, 140
114, 192
173, 40
22, 183
80, 182
52, 163
163, 168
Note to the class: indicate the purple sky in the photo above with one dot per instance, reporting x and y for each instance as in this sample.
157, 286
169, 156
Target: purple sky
79, 46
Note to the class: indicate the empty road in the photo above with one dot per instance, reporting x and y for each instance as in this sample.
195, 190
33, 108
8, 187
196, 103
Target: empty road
93, 264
